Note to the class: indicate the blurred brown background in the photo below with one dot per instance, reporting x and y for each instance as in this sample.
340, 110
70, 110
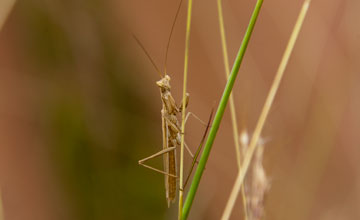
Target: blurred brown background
79, 107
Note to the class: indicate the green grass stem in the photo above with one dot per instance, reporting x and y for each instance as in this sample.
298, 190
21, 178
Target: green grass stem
265, 112
219, 113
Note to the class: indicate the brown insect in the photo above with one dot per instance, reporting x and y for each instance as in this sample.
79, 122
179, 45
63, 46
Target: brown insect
171, 138
171, 132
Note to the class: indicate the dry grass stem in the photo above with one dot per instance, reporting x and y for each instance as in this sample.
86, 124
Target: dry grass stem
5, 9
1, 207
265, 111
187, 42
231, 99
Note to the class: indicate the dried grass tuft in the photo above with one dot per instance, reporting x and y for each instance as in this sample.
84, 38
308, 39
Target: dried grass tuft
256, 182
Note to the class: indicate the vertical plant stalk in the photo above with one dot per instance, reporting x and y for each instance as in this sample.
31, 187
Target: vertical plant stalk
265, 111
232, 103
187, 42
5, 9
1, 207
219, 113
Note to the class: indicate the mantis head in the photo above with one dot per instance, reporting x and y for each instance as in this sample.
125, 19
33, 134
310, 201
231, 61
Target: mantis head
164, 83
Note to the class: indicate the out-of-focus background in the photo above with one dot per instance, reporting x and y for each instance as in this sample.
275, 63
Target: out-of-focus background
79, 107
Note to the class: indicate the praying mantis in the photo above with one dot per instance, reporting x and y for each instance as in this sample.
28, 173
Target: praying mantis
171, 132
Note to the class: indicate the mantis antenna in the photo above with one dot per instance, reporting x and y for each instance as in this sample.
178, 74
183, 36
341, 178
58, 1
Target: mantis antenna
148, 55
167, 46
171, 32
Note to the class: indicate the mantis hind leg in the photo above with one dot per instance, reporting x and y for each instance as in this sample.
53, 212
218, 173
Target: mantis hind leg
195, 116
162, 152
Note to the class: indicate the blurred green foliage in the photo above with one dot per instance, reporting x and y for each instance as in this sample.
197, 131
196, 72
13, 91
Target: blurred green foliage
98, 122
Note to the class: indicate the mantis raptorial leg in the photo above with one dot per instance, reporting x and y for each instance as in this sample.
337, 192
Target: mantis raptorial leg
186, 118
